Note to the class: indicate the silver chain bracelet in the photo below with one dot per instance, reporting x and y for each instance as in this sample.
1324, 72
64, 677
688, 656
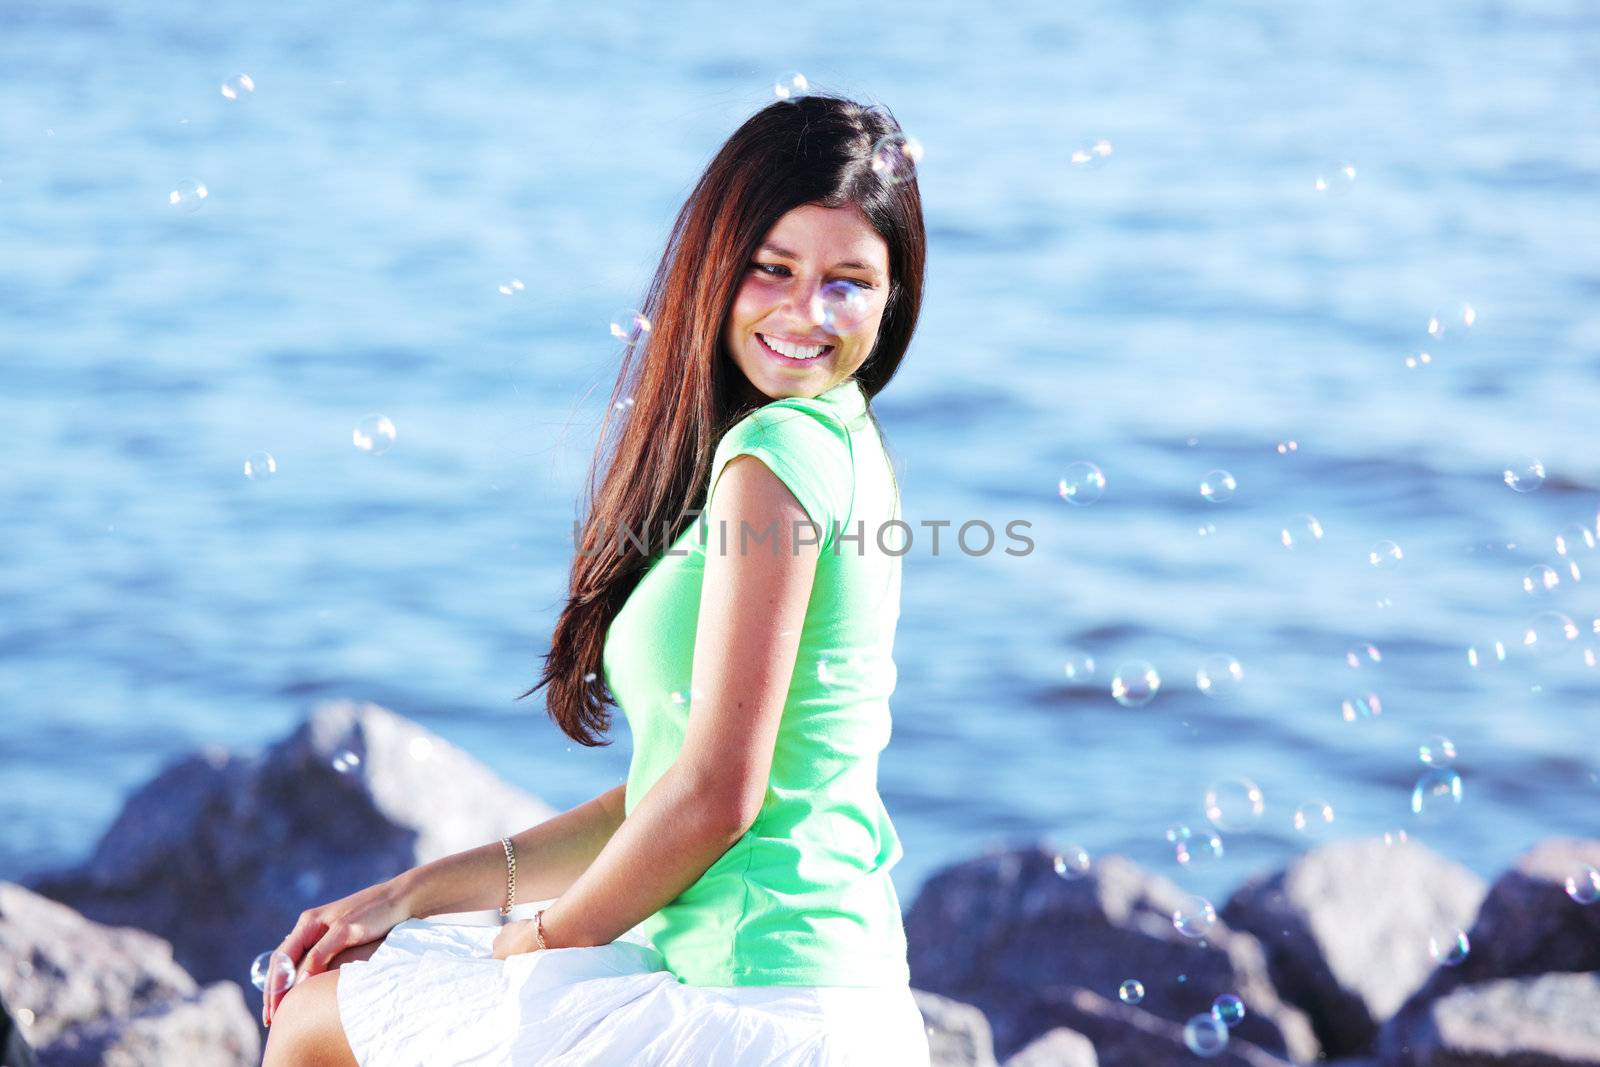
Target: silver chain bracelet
511, 879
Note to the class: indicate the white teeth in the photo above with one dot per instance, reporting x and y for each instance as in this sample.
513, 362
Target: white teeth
792, 351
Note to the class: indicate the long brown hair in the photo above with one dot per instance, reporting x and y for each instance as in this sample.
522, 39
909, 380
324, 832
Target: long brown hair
685, 391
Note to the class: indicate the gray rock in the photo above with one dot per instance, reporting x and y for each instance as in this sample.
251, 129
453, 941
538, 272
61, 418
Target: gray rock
1124, 1035
213, 1028
1345, 929
14, 1049
992, 929
1056, 1048
221, 853
1527, 926
83, 993
958, 1034
1549, 1021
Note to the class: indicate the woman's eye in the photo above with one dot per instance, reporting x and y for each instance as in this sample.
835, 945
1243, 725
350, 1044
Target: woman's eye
767, 268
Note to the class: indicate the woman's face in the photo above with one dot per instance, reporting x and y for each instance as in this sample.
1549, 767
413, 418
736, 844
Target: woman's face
809, 247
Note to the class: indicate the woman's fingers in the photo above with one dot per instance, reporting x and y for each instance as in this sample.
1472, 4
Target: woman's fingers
307, 929
336, 940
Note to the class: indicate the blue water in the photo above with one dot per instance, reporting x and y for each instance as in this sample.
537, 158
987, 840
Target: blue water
1188, 304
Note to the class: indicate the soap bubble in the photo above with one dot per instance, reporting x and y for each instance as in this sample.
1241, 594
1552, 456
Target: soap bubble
1363, 706
1335, 180
345, 761
1449, 947
512, 288
791, 86
895, 157
1198, 849
272, 972
1421, 359
188, 195
1583, 885
237, 86
1234, 804
1301, 532
1071, 862
1219, 675
1314, 818
1540, 581
1194, 917
1488, 654
629, 326
1206, 1035
1135, 684
839, 306
1575, 540
1082, 483
1437, 751
1437, 794
1218, 486
1285, 447
1078, 667
259, 466
1451, 325
1385, 555
1131, 991
373, 434
1228, 1010
1523, 475
1091, 157
1361, 655
1549, 633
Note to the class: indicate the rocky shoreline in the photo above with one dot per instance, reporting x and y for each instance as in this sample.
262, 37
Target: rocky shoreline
141, 954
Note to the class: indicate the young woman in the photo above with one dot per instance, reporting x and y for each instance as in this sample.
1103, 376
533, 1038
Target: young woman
731, 903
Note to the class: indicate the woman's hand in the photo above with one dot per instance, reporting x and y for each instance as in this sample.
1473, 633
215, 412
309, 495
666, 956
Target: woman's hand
515, 938
322, 933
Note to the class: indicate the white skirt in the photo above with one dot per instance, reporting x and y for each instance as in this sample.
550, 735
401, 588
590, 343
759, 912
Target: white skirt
434, 994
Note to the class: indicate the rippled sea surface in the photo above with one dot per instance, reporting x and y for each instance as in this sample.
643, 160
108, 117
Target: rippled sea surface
1188, 303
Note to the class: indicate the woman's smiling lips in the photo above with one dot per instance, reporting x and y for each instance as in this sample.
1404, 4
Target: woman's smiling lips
791, 360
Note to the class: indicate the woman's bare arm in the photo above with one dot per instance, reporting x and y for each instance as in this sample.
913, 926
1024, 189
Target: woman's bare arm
550, 857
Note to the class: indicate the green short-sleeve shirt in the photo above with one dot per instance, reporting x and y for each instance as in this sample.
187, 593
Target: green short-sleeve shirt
804, 897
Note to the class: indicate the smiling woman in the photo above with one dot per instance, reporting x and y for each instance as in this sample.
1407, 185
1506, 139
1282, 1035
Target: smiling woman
736, 907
